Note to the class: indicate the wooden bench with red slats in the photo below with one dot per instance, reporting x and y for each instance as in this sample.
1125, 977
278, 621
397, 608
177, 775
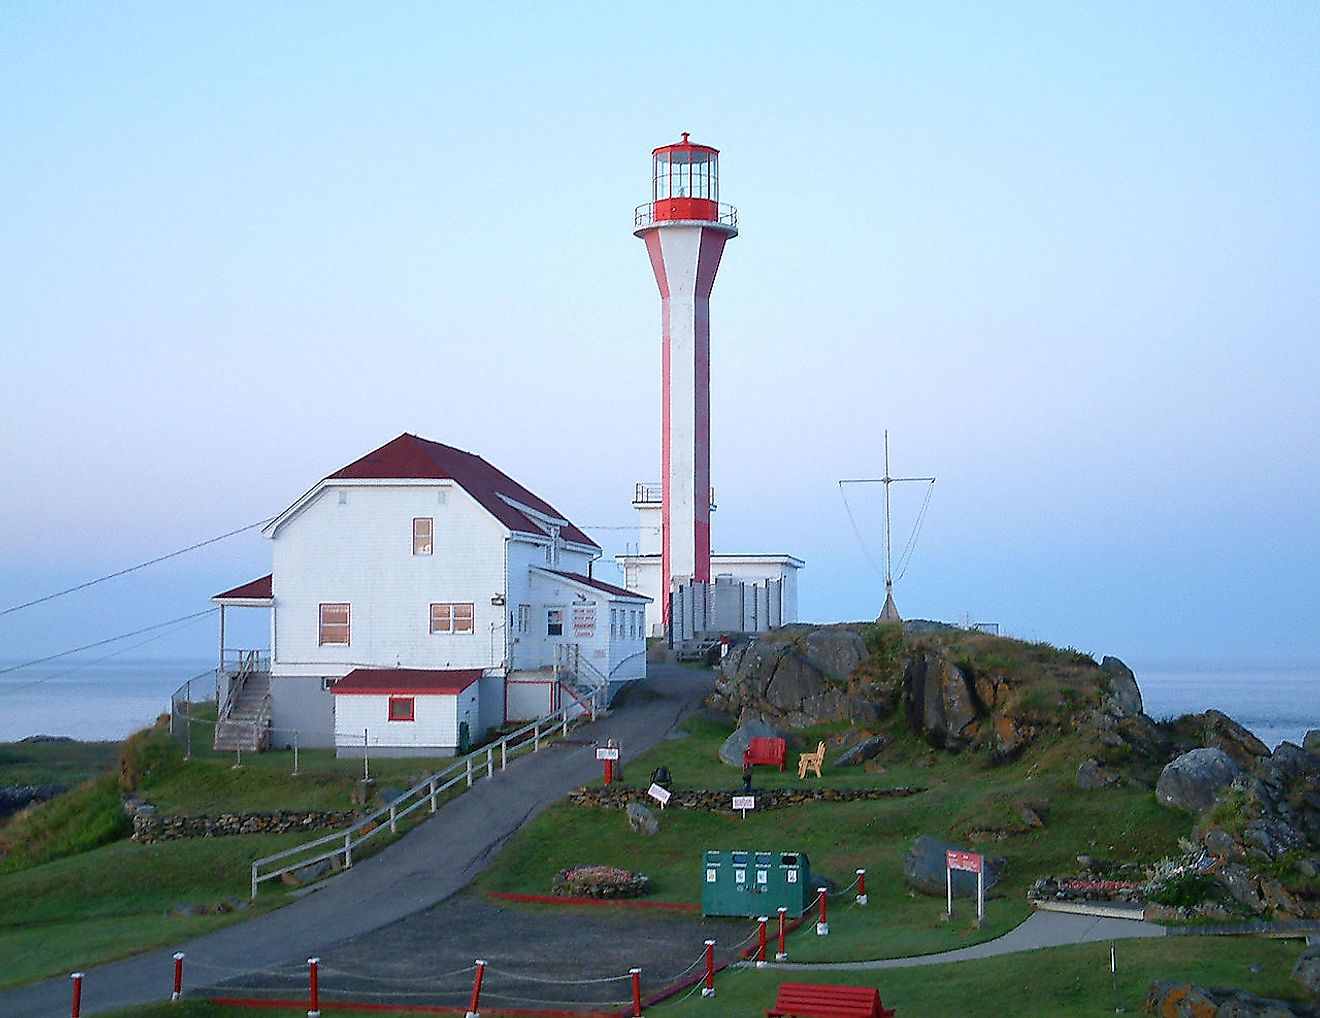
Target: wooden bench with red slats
812, 1000
770, 752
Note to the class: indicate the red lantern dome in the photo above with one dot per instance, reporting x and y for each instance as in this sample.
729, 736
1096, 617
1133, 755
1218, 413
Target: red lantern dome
685, 187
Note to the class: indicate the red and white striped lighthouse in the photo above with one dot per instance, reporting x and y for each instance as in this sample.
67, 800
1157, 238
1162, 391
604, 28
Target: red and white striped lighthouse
685, 228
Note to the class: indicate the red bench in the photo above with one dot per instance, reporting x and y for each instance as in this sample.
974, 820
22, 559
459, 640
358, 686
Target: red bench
811, 1000
771, 752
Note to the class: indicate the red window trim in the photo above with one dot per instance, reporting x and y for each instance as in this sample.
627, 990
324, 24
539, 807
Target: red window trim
411, 701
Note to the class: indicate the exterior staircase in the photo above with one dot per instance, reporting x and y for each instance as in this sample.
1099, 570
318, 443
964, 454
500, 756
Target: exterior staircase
244, 722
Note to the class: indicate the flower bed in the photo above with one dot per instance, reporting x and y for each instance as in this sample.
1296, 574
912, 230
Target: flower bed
600, 882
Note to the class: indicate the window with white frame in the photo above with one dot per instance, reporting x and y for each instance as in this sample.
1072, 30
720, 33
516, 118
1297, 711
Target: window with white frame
423, 534
554, 622
452, 617
333, 627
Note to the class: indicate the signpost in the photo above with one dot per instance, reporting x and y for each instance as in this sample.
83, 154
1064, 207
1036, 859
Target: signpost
969, 862
608, 753
744, 803
660, 795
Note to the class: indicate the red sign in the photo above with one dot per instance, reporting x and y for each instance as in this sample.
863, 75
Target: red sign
969, 861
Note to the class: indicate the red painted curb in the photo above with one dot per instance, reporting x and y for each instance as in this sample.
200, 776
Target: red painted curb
554, 899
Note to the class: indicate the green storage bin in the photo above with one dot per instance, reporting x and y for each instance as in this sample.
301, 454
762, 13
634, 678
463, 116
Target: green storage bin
755, 883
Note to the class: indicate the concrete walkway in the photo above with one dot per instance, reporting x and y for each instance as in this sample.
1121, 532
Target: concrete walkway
1040, 929
420, 870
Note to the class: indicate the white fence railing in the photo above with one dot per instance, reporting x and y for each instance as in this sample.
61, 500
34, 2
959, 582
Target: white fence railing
464, 771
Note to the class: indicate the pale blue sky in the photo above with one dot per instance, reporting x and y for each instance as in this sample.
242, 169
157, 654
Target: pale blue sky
1066, 253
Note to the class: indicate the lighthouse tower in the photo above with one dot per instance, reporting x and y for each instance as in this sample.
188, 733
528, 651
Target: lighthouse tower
685, 229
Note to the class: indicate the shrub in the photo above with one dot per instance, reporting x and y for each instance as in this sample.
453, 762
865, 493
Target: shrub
1183, 890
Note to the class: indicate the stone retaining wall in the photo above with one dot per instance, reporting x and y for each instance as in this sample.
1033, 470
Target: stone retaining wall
149, 826
766, 798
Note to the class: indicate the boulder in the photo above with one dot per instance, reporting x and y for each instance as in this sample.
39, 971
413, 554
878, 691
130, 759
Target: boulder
1192, 781
1311, 741
924, 869
861, 752
1122, 696
942, 705
1179, 1000
738, 743
1091, 775
642, 820
1307, 970
836, 652
1222, 732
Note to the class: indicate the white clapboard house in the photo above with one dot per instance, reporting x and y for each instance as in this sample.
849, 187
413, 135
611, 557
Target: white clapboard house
418, 598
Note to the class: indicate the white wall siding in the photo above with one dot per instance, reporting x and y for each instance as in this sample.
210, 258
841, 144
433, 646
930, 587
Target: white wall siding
359, 551
434, 728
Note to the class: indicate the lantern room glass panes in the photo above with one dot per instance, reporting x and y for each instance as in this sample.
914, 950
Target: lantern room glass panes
685, 173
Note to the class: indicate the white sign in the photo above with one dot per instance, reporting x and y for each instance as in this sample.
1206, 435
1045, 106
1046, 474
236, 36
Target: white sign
659, 794
744, 803
607, 752
584, 620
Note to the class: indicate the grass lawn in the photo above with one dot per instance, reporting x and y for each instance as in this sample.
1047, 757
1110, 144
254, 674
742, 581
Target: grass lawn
961, 797
55, 763
113, 900
1061, 982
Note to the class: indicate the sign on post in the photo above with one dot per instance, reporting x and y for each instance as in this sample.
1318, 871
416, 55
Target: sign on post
744, 803
607, 752
970, 862
660, 795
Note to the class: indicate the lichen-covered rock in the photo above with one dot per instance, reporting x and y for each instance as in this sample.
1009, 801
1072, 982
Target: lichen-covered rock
642, 820
1307, 970
1091, 775
1123, 697
1222, 732
941, 702
861, 752
924, 869
1192, 781
731, 752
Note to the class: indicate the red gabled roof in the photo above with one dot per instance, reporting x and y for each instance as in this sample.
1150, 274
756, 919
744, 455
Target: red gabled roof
409, 457
407, 680
253, 590
591, 581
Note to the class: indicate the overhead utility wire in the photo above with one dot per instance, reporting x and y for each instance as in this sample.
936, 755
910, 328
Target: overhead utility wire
132, 569
102, 643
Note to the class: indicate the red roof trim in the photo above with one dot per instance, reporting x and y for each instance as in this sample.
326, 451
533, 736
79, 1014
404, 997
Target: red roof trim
408, 681
411, 457
591, 581
253, 590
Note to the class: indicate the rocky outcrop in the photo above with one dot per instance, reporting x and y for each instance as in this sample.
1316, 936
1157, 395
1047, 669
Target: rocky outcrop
731, 752
942, 705
1192, 780
1185, 1000
1307, 970
924, 869
1219, 731
16, 797
795, 683
1122, 697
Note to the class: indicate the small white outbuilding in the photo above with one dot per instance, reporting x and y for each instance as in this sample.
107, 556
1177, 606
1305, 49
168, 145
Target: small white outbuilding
406, 711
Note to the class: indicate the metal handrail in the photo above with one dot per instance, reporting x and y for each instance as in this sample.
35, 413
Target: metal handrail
644, 215
425, 791
649, 493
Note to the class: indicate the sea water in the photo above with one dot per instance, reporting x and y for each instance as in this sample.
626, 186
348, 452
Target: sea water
113, 700
110, 700
1276, 704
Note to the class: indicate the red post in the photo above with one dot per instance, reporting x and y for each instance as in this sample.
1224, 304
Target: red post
637, 991
822, 927
474, 1011
609, 772
77, 978
178, 976
760, 939
709, 989
782, 953
861, 887
314, 1004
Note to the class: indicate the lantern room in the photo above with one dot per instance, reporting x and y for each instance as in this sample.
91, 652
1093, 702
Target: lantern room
685, 186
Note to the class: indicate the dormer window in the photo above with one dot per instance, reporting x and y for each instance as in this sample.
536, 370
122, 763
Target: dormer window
423, 534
